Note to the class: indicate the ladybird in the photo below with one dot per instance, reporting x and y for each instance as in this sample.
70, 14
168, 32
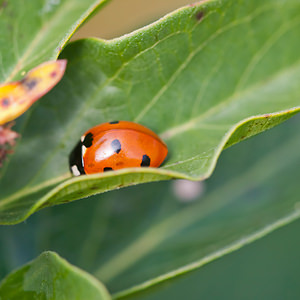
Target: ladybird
117, 145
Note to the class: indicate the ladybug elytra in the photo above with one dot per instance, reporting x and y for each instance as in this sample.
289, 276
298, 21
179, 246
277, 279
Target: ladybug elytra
117, 145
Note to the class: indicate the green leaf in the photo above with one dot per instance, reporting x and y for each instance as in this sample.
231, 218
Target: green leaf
51, 277
35, 31
203, 77
271, 265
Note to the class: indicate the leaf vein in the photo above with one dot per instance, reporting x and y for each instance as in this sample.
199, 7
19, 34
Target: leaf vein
176, 74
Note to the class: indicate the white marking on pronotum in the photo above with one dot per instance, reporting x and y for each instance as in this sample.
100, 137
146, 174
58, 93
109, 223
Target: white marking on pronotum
83, 150
75, 170
82, 138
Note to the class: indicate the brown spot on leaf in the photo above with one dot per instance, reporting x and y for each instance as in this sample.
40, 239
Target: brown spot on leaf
29, 83
5, 102
200, 15
94, 188
53, 74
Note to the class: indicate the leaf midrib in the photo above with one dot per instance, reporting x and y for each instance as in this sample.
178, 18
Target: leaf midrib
191, 124
194, 53
293, 216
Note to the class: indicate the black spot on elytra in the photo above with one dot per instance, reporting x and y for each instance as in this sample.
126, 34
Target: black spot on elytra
116, 145
88, 140
5, 102
29, 83
107, 169
200, 15
114, 122
145, 161
75, 158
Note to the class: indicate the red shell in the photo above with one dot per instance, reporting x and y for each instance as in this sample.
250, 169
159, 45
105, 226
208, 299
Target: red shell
120, 144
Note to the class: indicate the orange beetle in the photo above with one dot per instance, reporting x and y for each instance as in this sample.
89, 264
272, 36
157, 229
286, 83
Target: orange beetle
117, 145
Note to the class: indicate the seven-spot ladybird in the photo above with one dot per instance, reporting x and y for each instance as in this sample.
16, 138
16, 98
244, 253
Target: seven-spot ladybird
117, 145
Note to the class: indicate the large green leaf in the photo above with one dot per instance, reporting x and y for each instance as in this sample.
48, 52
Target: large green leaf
36, 30
135, 239
267, 269
50, 277
204, 77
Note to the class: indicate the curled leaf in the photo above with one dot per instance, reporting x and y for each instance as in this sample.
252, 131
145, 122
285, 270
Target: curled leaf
16, 97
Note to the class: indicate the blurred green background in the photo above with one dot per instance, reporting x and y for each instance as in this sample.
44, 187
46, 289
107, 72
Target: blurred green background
266, 269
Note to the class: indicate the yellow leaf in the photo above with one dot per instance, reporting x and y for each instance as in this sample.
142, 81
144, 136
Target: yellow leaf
16, 97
